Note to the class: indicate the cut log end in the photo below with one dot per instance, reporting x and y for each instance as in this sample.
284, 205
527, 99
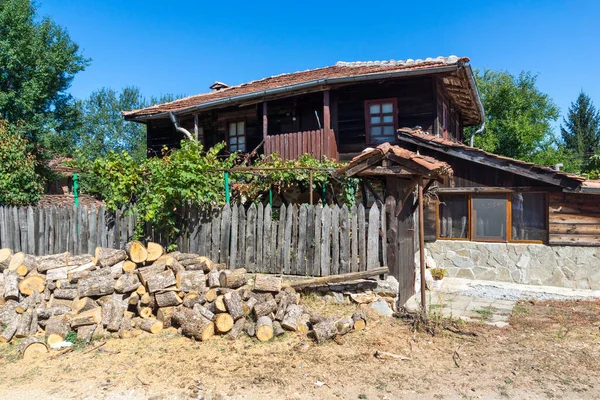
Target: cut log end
264, 329
33, 348
136, 251
223, 322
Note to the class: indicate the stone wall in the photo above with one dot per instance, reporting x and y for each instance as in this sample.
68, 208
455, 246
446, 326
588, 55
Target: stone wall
532, 264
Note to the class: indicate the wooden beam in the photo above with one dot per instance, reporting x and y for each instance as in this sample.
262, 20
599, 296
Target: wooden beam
411, 165
373, 192
422, 246
496, 189
326, 123
411, 187
364, 165
393, 170
323, 280
265, 121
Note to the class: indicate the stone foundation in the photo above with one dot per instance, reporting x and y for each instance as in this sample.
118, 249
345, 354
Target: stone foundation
531, 264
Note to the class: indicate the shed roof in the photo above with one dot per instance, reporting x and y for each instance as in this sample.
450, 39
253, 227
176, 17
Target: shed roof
459, 82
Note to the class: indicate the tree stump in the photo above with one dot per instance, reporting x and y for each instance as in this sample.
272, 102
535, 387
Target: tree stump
233, 279
33, 348
264, 329
267, 283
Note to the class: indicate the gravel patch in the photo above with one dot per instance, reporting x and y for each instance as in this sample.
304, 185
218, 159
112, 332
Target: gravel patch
496, 293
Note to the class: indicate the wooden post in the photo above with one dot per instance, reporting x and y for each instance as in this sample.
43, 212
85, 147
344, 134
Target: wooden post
265, 121
422, 244
326, 124
310, 184
196, 127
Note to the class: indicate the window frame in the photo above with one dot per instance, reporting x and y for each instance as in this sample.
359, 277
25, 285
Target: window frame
509, 226
368, 124
236, 121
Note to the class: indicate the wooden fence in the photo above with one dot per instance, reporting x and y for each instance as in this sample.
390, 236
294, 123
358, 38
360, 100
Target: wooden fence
296, 240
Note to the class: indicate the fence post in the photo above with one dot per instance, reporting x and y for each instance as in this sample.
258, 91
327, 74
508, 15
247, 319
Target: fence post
227, 187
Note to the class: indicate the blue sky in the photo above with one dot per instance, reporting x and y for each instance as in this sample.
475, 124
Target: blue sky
183, 46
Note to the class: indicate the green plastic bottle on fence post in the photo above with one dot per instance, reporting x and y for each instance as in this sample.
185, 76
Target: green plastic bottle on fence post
271, 196
76, 189
227, 187
324, 194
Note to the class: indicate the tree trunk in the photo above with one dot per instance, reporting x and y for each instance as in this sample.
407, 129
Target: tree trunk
233, 279
290, 321
136, 251
167, 299
264, 329
30, 284
267, 283
233, 303
151, 325
155, 251
33, 348
127, 283
188, 281
96, 286
223, 322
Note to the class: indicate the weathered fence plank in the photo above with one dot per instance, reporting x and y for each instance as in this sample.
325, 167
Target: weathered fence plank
259, 239
225, 234
373, 239
267, 240
215, 235
362, 238
251, 238
23, 228
280, 238
354, 240
301, 253
316, 271
294, 241
242, 235
383, 246
234, 237
344, 241
335, 240
326, 242
310, 239
287, 241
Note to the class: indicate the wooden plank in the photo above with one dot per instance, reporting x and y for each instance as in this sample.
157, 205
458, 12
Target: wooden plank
16, 230
317, 242
85, 231
288, 239
383, 233
354, 239
205, 233
281, 238
71, 222
259, 238
225, 234
301, 253
294, 242
335, 240
310, 239
251, 238
3, 233
362, 238
102, 228
51, 223
267, 233
233, 252
373, 238
30, 231
241, 263
123, 224
265, 120
40, 235
326, 123
23, 228
215, 235
326, 242
344, 240
391, 243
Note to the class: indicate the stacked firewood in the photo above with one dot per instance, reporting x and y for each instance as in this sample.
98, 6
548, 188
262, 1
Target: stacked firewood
142, 288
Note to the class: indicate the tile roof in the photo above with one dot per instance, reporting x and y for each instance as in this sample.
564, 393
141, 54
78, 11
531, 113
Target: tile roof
435, 167
340, 70
426, 138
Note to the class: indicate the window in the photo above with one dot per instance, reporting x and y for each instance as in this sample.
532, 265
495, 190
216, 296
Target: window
489, 217
528, 213
454, 216
381, 120
497, 217
237, 136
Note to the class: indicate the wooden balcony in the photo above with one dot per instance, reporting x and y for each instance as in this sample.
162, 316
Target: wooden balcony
291, 146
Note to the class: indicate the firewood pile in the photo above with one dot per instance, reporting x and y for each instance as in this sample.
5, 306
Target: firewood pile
142, 288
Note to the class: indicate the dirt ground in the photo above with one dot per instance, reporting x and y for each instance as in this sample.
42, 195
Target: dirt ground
550, 350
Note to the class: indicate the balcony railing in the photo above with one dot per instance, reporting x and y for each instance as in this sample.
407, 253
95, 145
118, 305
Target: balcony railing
290, 146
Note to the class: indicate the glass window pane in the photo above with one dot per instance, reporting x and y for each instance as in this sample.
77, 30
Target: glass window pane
232, 127
453, 215
241, 140
388, 130
374, 109
387, 108
233, 148
375, 131
489, 217
233, 140
388, 119
240, 128
375, 120
528, 216
241, 147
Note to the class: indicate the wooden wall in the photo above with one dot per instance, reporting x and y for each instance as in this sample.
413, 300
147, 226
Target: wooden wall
574, 219
442, 98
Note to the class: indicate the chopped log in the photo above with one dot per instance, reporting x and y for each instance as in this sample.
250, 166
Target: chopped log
193, 324
133, 299
144, 312
267, 283
205, 312
223, 322
85, 271
33, 348
57, 274
184, 256
155, 251
213, 279
265, 308
167, 299
233, 303
151, 325
10, 330
145, 299
49, 312
24, 327
264, 328
127, 283
33, 326
89, 317
5, 256
29, 302
68, 294
57, 329
11, 285
108, 259
250, 328
210, 295
323, 331
206, 264
96, 286
282, 304
193, 298
126, 328
248, 306
238, 328
129, 266
220, 304
85, 333
344, 325
290, 321
233, 279
83, 304
136, 251
188, 281
30, 284
165, 315
20, 259
141, 290
112, 314
64, 284
117, 269
323, 280
304, 325
7, 312
360, 320
277, 329
160, 281
52, 261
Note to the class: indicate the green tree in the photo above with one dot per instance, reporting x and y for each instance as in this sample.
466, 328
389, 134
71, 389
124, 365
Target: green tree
581, 128
19, 184
38, 61
518, 114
